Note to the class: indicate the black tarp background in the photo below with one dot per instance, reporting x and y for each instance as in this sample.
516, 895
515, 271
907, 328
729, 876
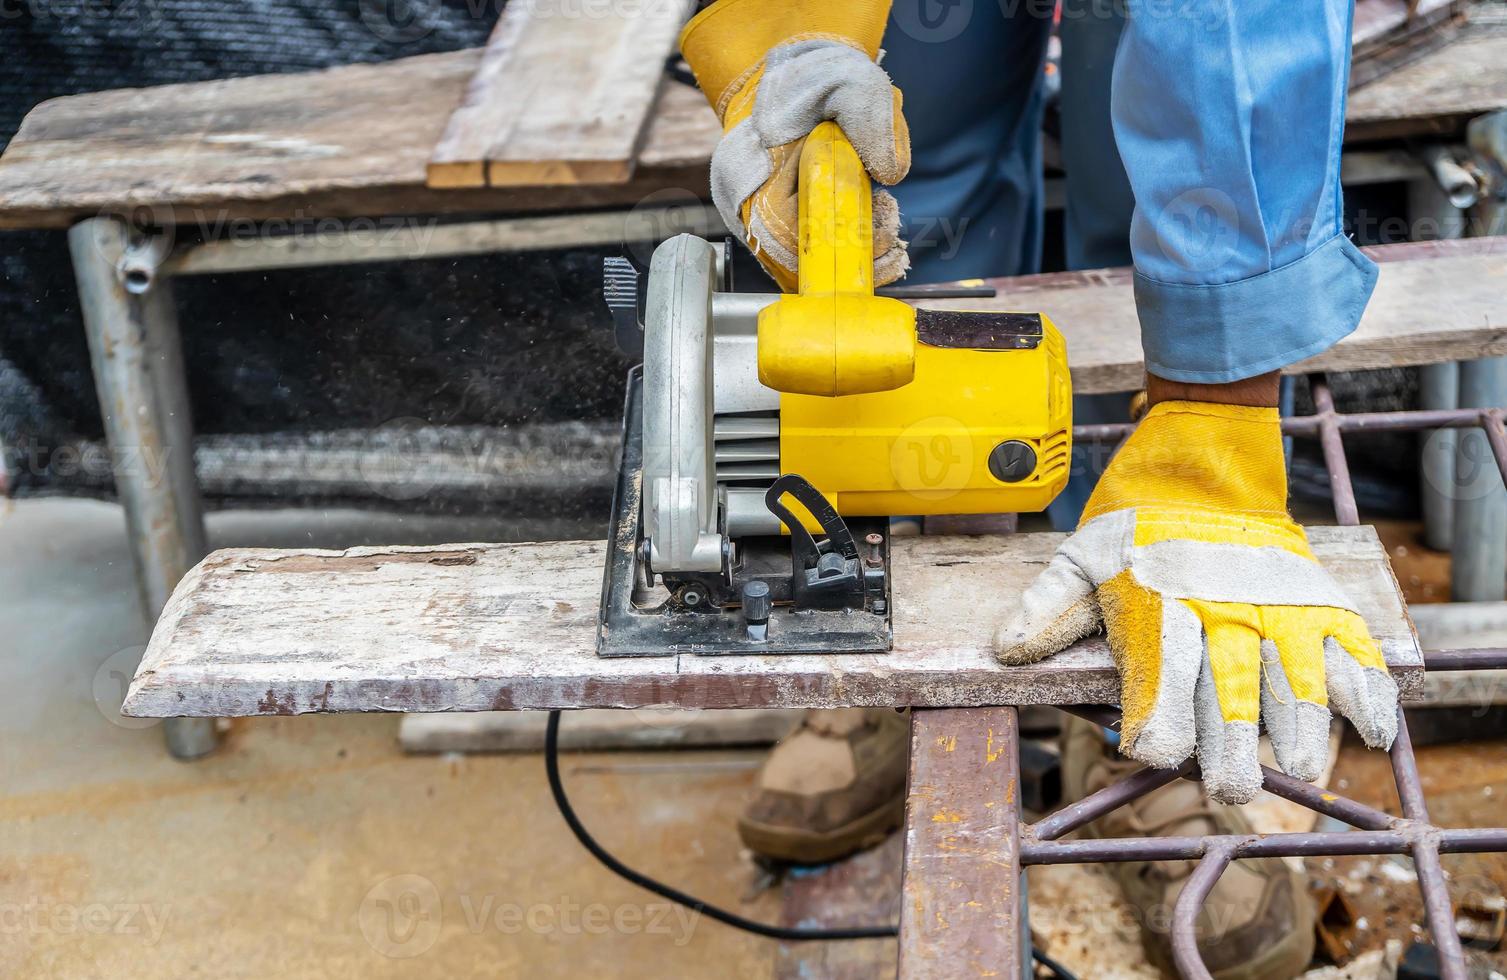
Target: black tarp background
492, 340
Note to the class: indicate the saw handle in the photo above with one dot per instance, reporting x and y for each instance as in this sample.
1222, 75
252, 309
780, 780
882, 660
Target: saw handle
836, 206
834, 336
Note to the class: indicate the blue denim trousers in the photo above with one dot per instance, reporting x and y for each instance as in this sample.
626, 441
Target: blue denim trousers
1200, 142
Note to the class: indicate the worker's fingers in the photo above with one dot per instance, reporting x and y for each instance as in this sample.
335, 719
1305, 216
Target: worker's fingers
1227, 701
1056, 610
1298, 729
773, 226
756, 165
1059, 608
1294, 703
1359, 686
770, 220
807, 82
740, 166
891, 260
1158, 646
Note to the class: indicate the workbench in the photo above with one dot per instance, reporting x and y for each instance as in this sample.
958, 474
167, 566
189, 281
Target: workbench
478, 627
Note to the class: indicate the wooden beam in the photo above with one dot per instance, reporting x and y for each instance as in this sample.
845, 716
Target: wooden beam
1434, 95
961, 912
562, 95
595, 730
482, 627
1434, 302
299, 147
303, 146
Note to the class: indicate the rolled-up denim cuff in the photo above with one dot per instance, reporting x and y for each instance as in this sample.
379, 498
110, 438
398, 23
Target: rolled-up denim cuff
1207, 334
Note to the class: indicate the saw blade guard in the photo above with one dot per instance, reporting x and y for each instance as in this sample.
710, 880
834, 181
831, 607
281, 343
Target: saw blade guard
680, 506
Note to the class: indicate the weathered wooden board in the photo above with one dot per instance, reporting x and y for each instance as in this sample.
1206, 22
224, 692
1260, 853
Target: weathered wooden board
1375, 20
561, 96
596, 729
297, 147
1387, 34
1437, 94
1434, 301
477, 627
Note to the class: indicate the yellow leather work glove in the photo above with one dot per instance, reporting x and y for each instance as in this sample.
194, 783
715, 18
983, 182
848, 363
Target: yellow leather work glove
773, 69
1217, 612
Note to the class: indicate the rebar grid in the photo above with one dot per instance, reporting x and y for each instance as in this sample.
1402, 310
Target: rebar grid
1376, 832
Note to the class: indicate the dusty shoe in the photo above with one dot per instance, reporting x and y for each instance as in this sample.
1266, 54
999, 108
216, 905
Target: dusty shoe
834, 786
1258, 921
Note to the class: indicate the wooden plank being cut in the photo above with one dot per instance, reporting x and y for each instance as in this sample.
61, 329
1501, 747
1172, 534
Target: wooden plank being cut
561, 96
483, 627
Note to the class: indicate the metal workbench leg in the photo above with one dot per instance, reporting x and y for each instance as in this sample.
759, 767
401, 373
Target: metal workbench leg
962, 905
1479, 563
1436, 217
139, 374
1439, 388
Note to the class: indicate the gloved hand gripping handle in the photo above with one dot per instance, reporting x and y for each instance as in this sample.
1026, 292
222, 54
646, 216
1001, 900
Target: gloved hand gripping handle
834, 336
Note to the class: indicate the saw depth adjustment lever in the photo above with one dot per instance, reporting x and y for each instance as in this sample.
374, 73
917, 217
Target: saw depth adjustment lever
826, 574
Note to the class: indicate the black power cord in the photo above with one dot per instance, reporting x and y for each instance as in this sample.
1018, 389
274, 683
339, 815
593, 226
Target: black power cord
557, 790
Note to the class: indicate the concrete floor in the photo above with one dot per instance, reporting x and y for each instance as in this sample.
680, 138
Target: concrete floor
312, 847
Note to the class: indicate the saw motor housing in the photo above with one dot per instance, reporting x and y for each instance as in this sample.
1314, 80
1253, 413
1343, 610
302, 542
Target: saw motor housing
853, 406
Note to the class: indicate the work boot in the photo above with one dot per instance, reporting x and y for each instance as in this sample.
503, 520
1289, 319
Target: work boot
834, 786
1257, 923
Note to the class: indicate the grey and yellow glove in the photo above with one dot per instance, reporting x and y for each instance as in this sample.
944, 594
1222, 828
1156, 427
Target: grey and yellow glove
773, 69
1218, 614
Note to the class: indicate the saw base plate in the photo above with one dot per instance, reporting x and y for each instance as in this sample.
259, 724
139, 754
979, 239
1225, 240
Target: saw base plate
634, 622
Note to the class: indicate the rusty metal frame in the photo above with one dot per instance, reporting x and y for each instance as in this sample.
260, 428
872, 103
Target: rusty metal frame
1376, 832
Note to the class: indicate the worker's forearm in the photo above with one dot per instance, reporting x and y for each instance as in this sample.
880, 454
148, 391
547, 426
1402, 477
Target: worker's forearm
1229, 119
1257, 392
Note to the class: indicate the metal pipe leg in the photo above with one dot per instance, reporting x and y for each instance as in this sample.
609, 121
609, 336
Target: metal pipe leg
138, 368
1435, 216
1479, 566
1439, 388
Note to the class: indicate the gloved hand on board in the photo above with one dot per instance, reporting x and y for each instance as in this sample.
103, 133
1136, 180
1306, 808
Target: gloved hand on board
1217, 612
